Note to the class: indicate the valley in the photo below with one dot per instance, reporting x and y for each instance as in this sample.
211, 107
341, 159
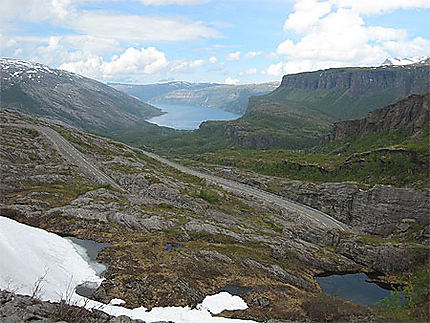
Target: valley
259, 207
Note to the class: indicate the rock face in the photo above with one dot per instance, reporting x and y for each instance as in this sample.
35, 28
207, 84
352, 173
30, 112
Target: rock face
361, 80
379, 210
410, 114
17, 308
348, 93
55, 94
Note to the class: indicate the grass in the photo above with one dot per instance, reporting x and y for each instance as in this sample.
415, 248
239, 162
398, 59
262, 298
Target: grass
381, 158
209, 196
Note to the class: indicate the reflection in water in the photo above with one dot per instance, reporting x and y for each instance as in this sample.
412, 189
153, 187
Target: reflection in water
353, 287
89, 249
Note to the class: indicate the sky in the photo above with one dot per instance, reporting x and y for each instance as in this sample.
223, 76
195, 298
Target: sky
223, 41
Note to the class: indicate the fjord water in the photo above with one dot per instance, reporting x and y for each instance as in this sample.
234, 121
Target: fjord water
188, 117
353, 287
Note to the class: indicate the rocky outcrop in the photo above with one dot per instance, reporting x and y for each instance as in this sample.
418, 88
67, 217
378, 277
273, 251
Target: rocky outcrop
18, 308
379, 210
360, 81
411, 115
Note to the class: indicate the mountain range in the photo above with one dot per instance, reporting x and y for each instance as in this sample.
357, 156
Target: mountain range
54, 94
173, 237
233, 98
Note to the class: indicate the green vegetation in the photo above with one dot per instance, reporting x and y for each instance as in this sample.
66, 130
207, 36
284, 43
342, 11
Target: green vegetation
411, 303
380, 158
208, 195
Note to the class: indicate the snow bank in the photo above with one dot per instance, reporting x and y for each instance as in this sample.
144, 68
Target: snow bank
222, 301
27, 254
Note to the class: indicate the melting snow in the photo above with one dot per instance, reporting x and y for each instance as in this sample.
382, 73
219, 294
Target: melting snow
29, 254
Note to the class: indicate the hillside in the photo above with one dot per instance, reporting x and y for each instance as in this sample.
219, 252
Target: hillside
411, 115
233, 98
58, 95
346, 93
175, 238
389, 146
301, 110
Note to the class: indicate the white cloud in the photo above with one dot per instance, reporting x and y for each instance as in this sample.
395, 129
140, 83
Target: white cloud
231, 81
197, 63
275, 69
380, 6
140, 28
250, 55
416, 47
334, 34
306, 14
251, 71
213, 60
168, 2
131, 61
233, 56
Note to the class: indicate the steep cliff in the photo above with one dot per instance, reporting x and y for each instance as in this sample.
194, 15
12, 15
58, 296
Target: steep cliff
382, 210
411, 115
345, 93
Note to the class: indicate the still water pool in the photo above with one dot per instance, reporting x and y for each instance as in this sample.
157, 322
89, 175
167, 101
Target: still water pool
353, 287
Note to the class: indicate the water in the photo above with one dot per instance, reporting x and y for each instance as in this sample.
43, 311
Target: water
89, 249
188, 117
171, 245
353, 287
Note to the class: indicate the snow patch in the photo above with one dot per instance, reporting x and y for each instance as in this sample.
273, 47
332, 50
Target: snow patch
28, 253
117, 302
397, 61
221, 302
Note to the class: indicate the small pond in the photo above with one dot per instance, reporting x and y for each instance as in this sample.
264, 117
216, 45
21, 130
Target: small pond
89, 249
353, 287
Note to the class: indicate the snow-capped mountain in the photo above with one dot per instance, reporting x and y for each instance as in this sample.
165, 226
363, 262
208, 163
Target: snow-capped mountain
51, 93
395, 61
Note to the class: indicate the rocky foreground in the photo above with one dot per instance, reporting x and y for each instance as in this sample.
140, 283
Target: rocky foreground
175, 238
17, 308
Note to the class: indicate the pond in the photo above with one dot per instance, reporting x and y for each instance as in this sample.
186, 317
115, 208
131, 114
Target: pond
188, 117
88, 250
353, 287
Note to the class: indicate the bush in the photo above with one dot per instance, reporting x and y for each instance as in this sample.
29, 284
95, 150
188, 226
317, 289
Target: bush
209, 196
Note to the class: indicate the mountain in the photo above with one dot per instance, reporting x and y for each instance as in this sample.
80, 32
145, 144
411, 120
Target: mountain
346, 93
58, 95
410, 115
404, 61
233, 98
146, 92
301, 110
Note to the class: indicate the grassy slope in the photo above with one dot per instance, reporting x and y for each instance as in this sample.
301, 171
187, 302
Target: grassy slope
380, 158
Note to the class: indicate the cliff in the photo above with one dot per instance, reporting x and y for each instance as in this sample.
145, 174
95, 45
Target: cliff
411, 115
346, 93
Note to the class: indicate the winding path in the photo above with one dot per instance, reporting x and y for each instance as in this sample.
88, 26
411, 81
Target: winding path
72, 154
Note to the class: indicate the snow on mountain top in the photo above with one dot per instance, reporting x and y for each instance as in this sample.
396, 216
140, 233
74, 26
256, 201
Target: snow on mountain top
396, 61
28, 253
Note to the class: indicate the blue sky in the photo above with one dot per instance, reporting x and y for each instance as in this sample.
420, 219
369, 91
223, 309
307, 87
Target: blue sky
235, 41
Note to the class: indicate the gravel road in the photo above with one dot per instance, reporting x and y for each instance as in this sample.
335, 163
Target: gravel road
321, 219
